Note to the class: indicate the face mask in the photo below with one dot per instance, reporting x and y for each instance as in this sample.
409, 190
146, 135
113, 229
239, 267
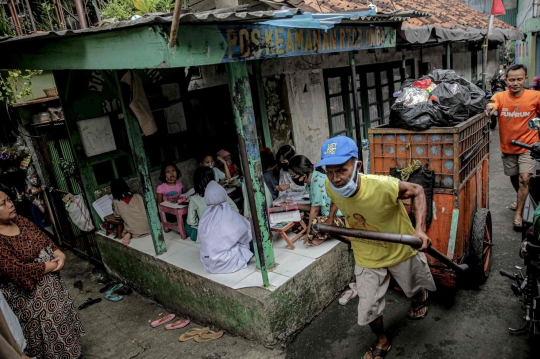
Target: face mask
351, 186
298, 182
171, 180
211, 165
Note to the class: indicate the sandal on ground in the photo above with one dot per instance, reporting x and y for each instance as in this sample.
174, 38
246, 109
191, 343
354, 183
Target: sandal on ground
88, 303
177, 324
513, 206
208, 336
416, 306
518, 226
125, 290
162, 319
381, 353
111, 295
107, 287
347, 296
192, 333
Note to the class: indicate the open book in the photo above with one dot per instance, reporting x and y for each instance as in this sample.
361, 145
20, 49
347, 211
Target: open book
284, 217
293, 197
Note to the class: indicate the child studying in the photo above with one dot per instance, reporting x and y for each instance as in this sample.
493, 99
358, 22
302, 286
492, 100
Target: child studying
171, 188
220, 177
129, 207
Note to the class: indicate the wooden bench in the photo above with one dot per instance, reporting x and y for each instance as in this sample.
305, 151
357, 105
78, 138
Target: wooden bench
283, 232
113, 225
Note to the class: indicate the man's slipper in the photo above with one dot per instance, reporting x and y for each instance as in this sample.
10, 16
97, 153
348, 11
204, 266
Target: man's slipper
177, 324
125, 290
513, 206
381, 353
88, 303
162, 320
107, 287
347, 296
518, 226
416, 306
208, 336
113, 289
113, 297
192, 333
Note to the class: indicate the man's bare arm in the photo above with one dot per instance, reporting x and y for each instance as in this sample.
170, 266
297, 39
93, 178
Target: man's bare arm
416, 193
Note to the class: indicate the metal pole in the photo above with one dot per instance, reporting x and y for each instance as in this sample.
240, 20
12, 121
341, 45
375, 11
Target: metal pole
30, 16
357, 125
244, 119
81, 14
15, 18
484, 63
392, 238
448, 55
176, 20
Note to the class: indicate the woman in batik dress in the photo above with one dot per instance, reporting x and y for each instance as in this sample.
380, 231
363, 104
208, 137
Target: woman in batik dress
30, 265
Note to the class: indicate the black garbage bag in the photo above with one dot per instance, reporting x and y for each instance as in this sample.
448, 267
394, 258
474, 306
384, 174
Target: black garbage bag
418, 117
439, 76
456, 99
478, 97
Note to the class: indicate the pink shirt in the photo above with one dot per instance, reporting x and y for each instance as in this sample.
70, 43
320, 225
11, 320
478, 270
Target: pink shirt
170, 193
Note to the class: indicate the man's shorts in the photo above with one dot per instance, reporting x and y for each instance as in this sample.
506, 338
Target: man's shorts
516, 164
412, 276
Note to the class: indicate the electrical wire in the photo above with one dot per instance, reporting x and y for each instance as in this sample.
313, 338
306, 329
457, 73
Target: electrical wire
312, 64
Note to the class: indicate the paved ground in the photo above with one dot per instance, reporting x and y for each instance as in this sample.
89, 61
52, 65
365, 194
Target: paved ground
462, 324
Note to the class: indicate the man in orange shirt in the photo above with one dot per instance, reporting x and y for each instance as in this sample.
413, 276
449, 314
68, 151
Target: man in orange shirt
516, 106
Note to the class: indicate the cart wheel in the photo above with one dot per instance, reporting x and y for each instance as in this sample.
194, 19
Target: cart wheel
480, 246
493, 123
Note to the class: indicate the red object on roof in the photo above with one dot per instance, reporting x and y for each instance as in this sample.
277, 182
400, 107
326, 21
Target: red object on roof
497, 8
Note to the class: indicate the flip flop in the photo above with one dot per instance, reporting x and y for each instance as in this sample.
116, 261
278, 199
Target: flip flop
177, 324
518, 226
381, 353
513, 206
162, 320
208, 336
419, 305
113, 297
192, 333
113, 289
347, 296
88, 303
107, 287
125, 290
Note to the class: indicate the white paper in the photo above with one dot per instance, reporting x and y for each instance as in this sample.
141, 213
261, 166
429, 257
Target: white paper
295, 197
96, 136
103, 206
188, 194
173, 205
283, 217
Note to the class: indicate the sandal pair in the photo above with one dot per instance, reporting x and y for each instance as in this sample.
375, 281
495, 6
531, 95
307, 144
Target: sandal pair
200, 335
177, 324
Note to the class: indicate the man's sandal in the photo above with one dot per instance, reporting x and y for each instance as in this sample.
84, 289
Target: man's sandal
417, 306
513, 206
381, 353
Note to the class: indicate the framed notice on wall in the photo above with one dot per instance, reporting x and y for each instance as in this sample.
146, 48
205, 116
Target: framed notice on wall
96, 136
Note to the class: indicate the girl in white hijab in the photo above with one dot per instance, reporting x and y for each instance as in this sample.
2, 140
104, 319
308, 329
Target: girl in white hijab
223, 233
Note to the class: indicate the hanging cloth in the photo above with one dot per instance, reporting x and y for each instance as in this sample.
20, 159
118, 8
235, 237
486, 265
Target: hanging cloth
139, 103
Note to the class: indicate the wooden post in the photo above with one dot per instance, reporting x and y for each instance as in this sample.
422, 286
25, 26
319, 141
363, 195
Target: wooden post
262, 103
139, 158
244, 120
357, 125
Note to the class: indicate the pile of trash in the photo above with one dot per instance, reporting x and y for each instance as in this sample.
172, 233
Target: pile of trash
440, 99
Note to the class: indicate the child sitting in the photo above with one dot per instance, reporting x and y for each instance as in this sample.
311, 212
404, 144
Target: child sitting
129, 207
224, 234
226, 164
197, 206
220, 177
171, 188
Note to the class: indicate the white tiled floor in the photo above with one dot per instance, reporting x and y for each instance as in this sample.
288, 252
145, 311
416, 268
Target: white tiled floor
184, 253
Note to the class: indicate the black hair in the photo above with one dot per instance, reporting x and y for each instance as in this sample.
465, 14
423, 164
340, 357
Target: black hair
202, 177
162, 174
7, 191
301, 165
267, 160
287, 152
200, 159
515, 68
120, 189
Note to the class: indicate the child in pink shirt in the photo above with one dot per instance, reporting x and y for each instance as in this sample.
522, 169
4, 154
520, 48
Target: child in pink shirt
171, 188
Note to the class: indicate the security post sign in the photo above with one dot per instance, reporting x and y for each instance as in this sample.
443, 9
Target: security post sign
260, 41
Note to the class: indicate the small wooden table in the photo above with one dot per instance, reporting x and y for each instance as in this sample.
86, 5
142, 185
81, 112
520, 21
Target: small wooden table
283, 232
176, 210
111, 223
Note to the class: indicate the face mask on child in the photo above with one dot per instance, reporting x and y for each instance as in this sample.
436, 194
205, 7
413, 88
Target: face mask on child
171, 180
211, 165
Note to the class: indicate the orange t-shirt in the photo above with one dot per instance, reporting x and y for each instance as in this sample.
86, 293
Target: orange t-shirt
514, 114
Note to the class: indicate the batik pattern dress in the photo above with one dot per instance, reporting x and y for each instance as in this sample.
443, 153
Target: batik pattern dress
40, 301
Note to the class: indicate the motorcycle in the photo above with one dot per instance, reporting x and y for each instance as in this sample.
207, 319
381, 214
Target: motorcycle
497, 85
527, 287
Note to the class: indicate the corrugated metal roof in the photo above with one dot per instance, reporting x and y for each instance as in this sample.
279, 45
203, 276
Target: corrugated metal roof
287, 17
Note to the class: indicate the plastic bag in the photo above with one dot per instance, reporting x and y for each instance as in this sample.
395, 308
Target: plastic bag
456, 99
412, 96
79, 214
443, 75
478, 97
425, 84
418, 117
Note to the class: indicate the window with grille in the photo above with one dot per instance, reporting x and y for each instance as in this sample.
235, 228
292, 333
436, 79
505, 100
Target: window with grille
376, 85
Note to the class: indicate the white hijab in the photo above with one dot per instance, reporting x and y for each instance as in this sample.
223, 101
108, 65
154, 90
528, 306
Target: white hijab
223, 233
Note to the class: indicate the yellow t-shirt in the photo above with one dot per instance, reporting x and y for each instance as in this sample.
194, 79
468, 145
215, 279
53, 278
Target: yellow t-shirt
376, 207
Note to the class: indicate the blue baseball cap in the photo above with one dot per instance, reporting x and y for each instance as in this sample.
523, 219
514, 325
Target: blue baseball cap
337, 151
